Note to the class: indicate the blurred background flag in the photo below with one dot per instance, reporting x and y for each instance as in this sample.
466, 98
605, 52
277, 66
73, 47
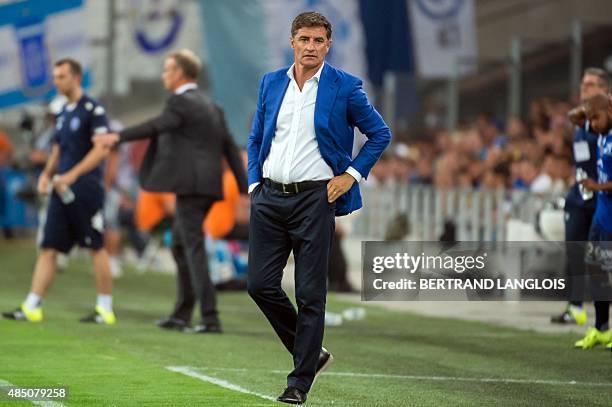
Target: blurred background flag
33, 34
245, 39
152, 29
443, 30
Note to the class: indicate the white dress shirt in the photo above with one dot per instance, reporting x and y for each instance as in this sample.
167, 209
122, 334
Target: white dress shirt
185, 87
294, 153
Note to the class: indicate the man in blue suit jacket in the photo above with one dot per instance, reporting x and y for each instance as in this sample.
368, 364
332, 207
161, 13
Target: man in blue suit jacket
302, 175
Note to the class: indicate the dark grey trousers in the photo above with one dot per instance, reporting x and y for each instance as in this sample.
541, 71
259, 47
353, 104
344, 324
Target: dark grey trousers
304, 223
193, 278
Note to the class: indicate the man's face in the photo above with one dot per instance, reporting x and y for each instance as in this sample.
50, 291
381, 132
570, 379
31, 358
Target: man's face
590, 86
310, 46
600, 119
64, 80
171, 74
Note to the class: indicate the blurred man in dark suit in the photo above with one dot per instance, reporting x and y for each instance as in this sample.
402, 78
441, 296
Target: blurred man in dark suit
188, 141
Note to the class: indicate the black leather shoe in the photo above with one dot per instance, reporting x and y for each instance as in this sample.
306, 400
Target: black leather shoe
325, 359
207, 329
292, 395
171, 323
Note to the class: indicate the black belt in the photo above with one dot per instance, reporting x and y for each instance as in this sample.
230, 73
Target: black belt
294, 187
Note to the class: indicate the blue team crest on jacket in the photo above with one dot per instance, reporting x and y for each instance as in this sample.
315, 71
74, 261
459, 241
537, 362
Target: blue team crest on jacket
75, 122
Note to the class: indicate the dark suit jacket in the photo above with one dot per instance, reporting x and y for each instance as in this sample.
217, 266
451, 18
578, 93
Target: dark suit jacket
188, 141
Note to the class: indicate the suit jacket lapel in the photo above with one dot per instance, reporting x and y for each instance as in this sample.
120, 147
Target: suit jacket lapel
326, 96
274, 99
276, 96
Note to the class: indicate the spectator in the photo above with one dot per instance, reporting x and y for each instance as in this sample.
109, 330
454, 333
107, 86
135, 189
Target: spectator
537, 181
515, 129
380, 173
423, 173
6, 152
498, 177
6, 149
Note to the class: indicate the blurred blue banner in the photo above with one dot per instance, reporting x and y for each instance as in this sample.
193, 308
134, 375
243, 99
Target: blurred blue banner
33, 34
388, 38
238, 56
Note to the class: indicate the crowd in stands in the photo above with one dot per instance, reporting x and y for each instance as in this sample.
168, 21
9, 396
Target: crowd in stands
487, 153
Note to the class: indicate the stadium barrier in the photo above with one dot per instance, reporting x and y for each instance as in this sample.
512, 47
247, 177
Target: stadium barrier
477, 215
419, 212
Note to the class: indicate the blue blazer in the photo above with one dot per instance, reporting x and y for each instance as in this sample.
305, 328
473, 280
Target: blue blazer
340, 106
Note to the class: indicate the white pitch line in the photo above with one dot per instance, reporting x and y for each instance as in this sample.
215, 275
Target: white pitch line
415, 377
42, 403
189, 371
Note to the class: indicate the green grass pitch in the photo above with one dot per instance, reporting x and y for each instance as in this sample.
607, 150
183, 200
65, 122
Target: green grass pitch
388, 359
